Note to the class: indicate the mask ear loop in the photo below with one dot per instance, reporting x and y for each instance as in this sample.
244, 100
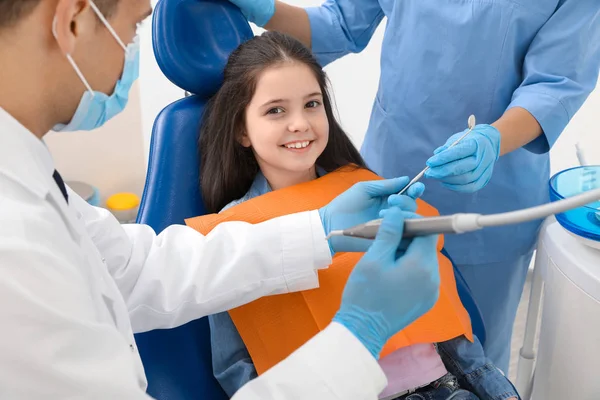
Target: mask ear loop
107, 25
72, 62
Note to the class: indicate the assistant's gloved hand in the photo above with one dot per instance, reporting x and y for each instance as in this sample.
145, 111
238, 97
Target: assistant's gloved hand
466, 167
361, 203
389, 289
257, 11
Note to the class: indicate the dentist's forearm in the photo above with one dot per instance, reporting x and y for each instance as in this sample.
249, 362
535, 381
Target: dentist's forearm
517, 128
292, 21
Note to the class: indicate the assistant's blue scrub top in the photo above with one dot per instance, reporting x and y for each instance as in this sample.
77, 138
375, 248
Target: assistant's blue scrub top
443, 60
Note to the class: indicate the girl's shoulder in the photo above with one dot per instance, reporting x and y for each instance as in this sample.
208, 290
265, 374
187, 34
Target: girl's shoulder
246, 197
259, 187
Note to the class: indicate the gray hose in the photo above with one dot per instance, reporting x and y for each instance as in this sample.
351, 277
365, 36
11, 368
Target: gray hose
539, 212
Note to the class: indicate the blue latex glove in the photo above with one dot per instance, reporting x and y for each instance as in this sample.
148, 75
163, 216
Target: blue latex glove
389, 289
361, 203
257, 11
466, 167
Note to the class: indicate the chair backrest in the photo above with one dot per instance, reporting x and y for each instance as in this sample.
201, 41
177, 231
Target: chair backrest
192, 40
466, 297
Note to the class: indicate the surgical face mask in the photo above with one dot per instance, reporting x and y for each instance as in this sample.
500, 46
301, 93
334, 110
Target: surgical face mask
95, 108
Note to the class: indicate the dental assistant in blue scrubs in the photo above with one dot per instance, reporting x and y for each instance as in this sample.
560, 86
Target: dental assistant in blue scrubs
522, 67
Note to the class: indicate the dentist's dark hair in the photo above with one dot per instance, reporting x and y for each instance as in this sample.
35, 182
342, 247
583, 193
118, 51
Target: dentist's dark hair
11, 11
227, 169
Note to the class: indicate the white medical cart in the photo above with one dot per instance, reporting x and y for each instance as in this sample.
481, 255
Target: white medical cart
566, 289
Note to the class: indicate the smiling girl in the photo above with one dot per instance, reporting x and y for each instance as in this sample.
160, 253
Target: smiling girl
271, 126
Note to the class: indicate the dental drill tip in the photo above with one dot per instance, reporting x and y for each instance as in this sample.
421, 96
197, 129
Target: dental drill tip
334, 233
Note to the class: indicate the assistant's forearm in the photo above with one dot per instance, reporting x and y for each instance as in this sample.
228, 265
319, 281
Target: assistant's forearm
517, 128
292, 21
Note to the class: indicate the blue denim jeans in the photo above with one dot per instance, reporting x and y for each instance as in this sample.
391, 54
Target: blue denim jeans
445, 388
474, 371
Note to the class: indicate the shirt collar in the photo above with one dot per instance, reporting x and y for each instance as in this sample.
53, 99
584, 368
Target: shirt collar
260, 185
320, 172
23, 157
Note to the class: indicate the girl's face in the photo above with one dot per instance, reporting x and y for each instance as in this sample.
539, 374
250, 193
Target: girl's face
286, 124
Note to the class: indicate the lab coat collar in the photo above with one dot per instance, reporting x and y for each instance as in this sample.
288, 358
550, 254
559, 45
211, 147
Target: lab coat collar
23, 157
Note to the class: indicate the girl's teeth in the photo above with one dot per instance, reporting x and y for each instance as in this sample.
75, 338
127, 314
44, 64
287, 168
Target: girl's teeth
297, 145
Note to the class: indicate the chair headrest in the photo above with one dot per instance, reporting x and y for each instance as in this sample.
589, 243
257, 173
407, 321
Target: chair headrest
193, 39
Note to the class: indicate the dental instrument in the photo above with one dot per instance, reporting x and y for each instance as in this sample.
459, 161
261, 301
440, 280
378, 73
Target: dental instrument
470, 124
461, 223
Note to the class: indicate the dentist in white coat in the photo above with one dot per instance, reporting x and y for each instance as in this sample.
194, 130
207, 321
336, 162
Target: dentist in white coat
75, 284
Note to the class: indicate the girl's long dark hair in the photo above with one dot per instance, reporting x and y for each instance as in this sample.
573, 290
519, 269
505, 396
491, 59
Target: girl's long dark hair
227, 169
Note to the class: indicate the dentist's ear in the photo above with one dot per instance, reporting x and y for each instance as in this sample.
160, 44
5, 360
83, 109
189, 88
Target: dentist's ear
71, 19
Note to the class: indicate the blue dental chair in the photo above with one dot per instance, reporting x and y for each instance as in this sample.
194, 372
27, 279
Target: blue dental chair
192, 40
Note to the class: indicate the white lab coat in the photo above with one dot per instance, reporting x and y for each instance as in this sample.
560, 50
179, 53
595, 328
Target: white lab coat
75, 285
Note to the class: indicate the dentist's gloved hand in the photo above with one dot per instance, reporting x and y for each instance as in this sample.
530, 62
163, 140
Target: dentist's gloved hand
466, 167
389, 289
364, 202
257, 11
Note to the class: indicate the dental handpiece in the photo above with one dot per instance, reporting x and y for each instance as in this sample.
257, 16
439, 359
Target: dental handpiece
471, 124
461, 223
